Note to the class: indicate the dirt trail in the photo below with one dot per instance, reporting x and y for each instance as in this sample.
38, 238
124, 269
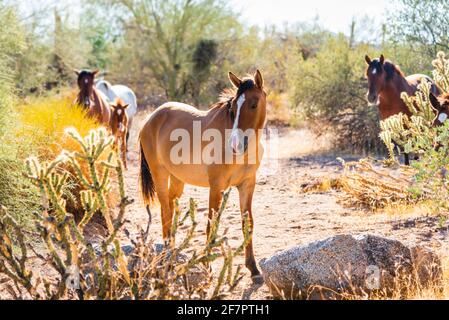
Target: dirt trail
284, 217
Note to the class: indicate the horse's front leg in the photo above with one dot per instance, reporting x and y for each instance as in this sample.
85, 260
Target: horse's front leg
124, 148
406, 155
407, 159
246, 191
130, 123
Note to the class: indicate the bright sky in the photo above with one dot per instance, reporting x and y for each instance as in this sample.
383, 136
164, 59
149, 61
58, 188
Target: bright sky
335, 15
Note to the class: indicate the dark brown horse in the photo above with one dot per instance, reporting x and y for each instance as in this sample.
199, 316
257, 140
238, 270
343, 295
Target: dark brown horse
92, 99
240, 110
386, 82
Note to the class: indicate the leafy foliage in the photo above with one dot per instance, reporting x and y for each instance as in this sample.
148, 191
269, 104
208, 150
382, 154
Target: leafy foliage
421, 24
82, 270
168, 33
15, 191
329, 88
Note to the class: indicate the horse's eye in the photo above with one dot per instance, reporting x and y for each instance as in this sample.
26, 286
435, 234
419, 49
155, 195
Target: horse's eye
254, 105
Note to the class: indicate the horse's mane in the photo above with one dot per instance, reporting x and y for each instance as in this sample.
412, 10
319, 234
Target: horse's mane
228, 94
391, 69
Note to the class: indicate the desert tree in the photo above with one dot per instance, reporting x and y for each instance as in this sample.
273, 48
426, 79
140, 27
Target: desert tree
421, 23
166, 36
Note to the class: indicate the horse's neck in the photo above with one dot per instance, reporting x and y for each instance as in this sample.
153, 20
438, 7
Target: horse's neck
390, 97
101, 108
220, 115
82, 94
98, 103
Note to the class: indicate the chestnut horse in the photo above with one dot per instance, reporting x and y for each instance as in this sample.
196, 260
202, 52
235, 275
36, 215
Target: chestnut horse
119, 126
240, 109
90, 98
386, 82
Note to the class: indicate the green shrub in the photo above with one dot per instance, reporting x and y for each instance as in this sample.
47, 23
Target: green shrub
15, 191
329, 89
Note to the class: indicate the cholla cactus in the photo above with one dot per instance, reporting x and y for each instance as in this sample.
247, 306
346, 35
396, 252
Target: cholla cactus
417, 133
441, 72
105, 272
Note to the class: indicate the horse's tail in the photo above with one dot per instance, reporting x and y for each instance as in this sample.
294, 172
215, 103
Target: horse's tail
146, 179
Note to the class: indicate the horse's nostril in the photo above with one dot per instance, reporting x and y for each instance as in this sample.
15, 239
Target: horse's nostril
372, 98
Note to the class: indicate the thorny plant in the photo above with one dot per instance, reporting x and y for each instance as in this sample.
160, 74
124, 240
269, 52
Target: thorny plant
418, 135
81, 269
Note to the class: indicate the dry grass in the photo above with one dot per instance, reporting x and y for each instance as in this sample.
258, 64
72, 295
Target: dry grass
42, 122
376, 186
41, 132
321, 185
411, 291
372, 185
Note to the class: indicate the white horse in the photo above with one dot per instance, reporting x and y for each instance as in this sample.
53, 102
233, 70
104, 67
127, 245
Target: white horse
122, 92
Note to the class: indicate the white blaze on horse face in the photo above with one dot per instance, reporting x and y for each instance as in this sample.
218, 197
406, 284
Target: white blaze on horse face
235, 137
375, 71
119, 112
86, 81
442, 117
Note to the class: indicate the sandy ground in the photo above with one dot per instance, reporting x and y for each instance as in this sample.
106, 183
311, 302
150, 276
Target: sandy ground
285, 217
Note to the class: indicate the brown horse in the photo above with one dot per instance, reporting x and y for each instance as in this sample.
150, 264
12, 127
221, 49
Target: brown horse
90, 98
119, 127
236, 157
386, 82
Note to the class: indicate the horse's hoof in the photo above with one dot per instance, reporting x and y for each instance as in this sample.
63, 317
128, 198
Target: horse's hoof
257, 279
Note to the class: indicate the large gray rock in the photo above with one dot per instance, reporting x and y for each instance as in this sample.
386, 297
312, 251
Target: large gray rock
346, 265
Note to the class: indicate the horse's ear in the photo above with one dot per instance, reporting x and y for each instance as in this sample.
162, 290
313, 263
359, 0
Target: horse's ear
125, 106
77, 72
236, 81
382, 59
95, 72
259, 79
368, 59
434, 101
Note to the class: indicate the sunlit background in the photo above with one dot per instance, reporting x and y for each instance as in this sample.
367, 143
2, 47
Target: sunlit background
333, 15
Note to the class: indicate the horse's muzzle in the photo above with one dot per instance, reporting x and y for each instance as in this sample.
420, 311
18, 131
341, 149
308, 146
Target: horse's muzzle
373, 99
86, 103
239, 147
